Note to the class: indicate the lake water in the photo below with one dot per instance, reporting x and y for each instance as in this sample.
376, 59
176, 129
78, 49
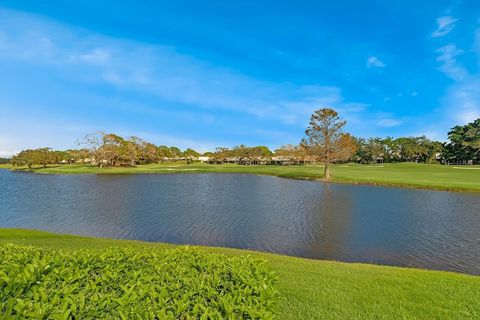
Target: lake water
394, 226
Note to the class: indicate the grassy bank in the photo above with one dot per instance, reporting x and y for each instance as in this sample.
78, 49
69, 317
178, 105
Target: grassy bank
428, 176
322, 289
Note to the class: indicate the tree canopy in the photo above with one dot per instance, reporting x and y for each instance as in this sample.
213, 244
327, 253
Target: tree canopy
464, 143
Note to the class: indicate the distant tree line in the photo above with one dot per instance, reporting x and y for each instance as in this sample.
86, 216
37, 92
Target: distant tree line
411, 149
240, 154
325, 142
463, 147
105, 149
108, 149
40, 156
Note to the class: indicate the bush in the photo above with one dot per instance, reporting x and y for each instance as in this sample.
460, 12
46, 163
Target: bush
126, 283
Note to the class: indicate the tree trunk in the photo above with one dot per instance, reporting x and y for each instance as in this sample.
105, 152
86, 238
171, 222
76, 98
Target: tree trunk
326, 173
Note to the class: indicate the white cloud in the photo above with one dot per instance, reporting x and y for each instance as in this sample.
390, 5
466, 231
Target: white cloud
462, 100
388, 123
445, 24
461, 103
95, 56
374, 62
82, 57
385, 120
449, 64
158, 70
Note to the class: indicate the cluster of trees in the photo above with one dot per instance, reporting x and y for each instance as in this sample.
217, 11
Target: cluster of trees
463, 146
108, 149
293, 154
412, 149
325, 142
464, 143
40, 156
105, 149
240, 154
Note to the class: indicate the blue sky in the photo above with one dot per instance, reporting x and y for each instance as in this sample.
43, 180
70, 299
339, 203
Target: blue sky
220, 73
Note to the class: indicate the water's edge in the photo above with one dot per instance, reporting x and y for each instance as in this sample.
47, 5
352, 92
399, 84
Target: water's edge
229, 250
302, 178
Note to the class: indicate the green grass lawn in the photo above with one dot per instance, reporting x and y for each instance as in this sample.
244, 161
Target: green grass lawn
314, 289
430, 176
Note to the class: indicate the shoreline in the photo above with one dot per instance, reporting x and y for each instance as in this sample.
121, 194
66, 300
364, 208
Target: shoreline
204, 169
220, 249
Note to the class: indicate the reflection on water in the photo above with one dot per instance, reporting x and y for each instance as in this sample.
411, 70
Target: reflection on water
406, 227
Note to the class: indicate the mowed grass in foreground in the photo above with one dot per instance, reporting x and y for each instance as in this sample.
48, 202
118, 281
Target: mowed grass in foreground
312, 289
429, 176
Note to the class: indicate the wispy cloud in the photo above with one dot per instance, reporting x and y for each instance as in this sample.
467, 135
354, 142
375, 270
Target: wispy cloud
374, 62
96, 56
387, 120
449, 64
445, 24
159, 82
461, 103
462, 100
156, 70
388, 123
81, 57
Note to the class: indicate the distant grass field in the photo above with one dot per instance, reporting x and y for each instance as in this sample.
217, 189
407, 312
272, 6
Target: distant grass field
314, 289
429, 176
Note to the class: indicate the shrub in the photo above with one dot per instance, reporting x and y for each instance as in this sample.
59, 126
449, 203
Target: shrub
126, 283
